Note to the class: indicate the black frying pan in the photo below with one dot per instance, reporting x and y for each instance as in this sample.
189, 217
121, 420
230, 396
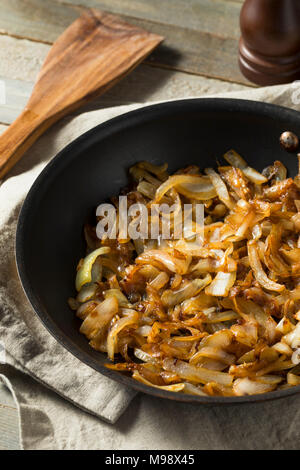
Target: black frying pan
93, 167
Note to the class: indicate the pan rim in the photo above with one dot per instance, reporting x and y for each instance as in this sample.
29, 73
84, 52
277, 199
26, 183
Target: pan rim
98, 133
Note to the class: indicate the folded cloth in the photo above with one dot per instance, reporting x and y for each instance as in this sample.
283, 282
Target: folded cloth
49, 422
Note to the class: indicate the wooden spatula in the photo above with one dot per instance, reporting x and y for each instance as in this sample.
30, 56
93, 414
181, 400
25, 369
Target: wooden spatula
93, 54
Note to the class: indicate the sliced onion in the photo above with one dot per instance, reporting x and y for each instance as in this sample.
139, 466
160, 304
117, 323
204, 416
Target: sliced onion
292, 256
258, 271
140, 174
170, 297
197, 303
246, 386
127, 312
147, 189
246, 334
268, 354
158, 170
173, 264
97, 271
221, 339
284, 326
207, 363
195, 187
269, 379
250, 310
272, 258
221, 284
193, 390
160, 281
216, 317
214, 353
296, 357
99, 318
143, 356
283, 348
293, 379
73, 303
208, 265
243, 228
293, 338
236, 160
248, 357
277, 366
257, 232
170, 388
290, 295
220, 188
196, 374
85, 309
117, 327
144, 330
276, 170
87, 292
148, 271
122, 300
185, 330
277, 190
197, 191
84, 274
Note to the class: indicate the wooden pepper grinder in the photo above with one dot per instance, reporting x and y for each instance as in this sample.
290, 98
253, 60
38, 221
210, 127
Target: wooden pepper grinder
269, 49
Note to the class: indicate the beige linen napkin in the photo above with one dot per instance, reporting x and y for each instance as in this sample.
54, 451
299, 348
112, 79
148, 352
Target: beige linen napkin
47, 421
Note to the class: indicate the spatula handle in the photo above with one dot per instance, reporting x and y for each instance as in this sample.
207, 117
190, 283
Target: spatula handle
22, 133
92, 55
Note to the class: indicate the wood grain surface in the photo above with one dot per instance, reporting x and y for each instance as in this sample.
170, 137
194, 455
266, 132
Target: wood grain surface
188, 64
201, 35
93, 54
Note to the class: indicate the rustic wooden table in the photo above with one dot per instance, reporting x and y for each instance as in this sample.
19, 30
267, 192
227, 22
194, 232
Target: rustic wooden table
199, 56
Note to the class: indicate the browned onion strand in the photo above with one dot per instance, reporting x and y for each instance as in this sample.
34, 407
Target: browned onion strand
220, 319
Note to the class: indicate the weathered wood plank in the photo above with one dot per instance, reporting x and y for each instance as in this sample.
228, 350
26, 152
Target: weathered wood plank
208, 16
3, 127
184, 49
21, 59
33, 19
94, 53
196, 52
16, 95
144, 84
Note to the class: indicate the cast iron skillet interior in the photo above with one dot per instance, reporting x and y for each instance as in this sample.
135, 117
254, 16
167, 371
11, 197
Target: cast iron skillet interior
94, 167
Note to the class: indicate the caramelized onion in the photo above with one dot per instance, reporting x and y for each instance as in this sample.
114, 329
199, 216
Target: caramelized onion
214, 310
170, 297
112, 337
236, 160
220, 188
246, 386
99, 318
172, 263
258, 271
194, 187
84, 273
196, 374
221, 284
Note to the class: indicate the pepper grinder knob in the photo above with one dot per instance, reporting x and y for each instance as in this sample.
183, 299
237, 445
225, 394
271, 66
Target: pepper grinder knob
269, 48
